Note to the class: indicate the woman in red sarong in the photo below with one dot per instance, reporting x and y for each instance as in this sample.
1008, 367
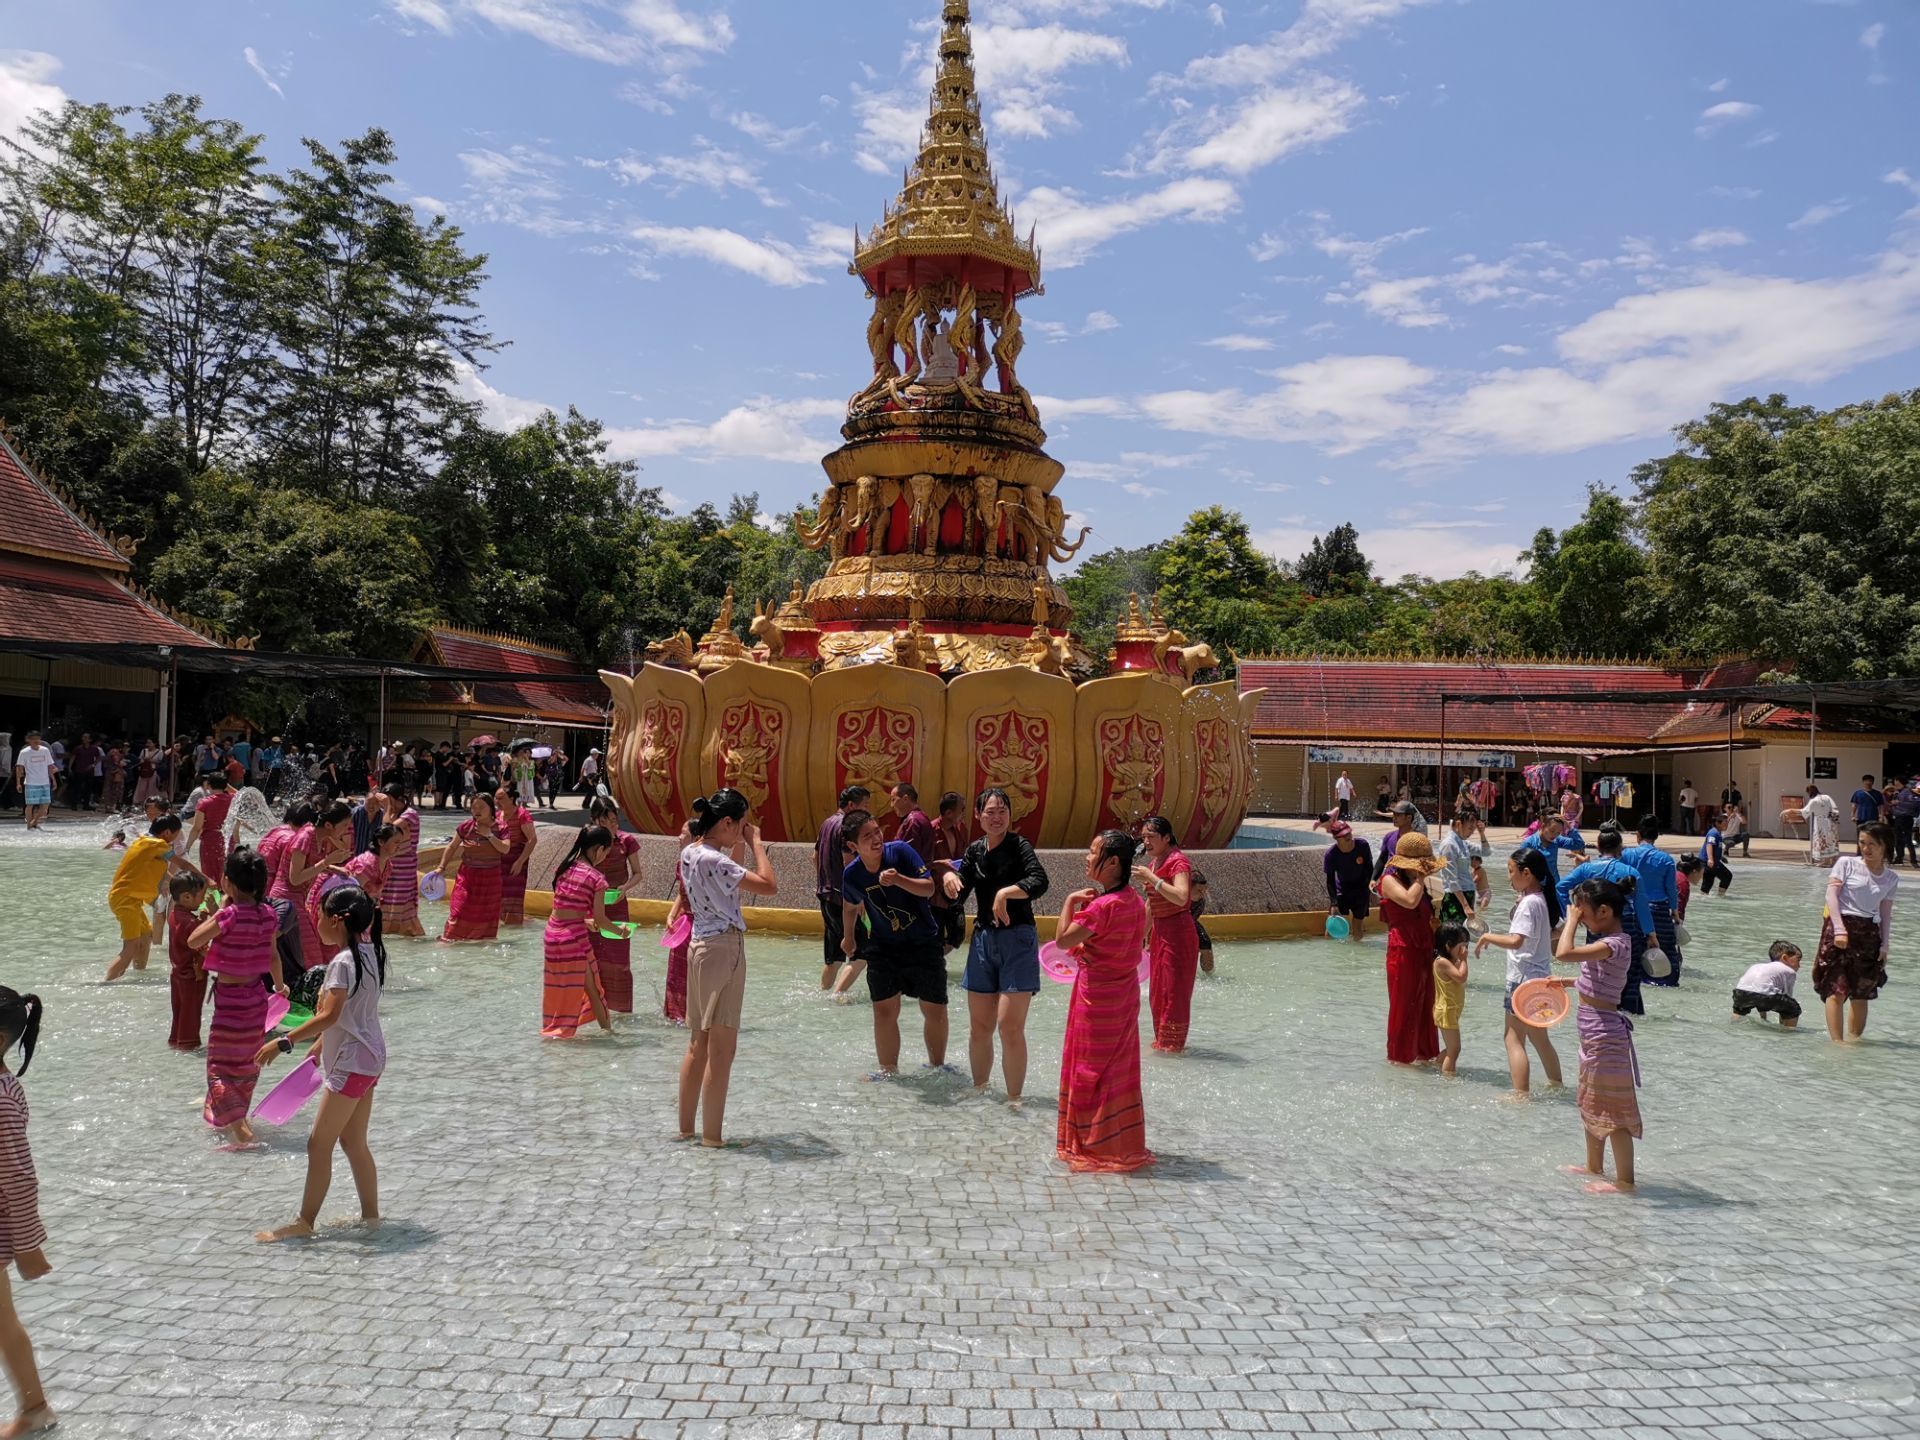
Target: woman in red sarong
1168, 882
620, 867
516, 823
1103, 1123
473, 910
1407, 910
210, 826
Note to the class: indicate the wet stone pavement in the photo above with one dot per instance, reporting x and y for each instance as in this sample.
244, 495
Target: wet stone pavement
1327, 1246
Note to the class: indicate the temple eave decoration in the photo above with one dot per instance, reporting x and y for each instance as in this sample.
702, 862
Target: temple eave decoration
938, 646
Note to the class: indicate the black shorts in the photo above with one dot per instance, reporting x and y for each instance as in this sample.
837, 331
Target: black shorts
918, 972
1354, 908
835, 918
1745, 1002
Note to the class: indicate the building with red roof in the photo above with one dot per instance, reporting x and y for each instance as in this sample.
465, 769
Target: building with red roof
63, 580
1381, 720
546, 705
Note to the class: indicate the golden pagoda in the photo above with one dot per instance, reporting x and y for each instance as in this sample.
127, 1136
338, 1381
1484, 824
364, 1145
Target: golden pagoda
936, 650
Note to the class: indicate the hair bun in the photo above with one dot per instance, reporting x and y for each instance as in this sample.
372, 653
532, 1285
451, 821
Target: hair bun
700, 806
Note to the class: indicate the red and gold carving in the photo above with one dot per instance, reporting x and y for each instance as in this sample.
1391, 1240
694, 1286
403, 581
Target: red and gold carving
1134, 750
873, 747
760, 716
1222, 769
1013, 728
875, 725
1133, 769
653, 757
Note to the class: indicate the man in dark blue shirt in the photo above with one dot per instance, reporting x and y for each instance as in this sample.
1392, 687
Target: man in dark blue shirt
1866, 802
886, 890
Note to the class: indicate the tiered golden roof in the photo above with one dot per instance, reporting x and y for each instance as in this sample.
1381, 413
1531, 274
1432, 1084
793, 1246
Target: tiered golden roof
949, 203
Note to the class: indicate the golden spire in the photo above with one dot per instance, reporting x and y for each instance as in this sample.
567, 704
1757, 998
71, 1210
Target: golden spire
949, 204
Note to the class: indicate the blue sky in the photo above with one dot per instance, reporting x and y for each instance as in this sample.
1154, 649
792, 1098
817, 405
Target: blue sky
1431, 266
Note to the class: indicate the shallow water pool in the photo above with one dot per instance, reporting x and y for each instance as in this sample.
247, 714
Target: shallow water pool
1328, 1243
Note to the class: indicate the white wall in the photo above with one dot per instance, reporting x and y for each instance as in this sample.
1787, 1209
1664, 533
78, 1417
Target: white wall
1781, 770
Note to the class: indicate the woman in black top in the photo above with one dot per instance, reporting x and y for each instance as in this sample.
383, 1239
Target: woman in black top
1005, 877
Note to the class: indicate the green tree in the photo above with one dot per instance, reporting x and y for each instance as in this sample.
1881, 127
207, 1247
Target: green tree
1098, 591
1591, 577
1333, 563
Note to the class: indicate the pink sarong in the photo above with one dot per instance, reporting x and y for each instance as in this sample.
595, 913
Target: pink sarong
1102, 1118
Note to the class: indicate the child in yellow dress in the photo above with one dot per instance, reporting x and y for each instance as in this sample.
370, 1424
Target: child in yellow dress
1450, 945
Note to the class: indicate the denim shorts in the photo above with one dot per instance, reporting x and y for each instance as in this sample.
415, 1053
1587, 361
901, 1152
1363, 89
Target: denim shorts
1003, 962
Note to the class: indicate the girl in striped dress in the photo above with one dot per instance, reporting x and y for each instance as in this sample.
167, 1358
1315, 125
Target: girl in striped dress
516, 823
1102, 1124
1609, 1069
399, 897
22, 1236
239, 941
619, 867
570, 991
473, 909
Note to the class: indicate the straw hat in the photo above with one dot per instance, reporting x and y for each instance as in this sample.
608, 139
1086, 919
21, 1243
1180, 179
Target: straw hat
1414, 852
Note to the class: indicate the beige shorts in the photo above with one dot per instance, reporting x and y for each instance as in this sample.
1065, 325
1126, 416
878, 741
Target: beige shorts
717, 980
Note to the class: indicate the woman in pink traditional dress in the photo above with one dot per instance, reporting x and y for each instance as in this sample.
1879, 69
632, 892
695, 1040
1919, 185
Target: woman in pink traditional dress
400, 896
368, 870
299, 861
516, 823
210, 827
1168, 882
242, 950
620, 867
1102, 1124
570, 993
473, 911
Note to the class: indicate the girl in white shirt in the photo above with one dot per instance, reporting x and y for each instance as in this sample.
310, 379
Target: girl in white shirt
1852, 963
1529, 943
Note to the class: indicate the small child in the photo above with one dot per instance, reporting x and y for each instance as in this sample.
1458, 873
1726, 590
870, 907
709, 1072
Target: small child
1768, 987
1609, 1071
1196, 907
1450, 944
1482, 885
1688, 867
186, 977
22, 1236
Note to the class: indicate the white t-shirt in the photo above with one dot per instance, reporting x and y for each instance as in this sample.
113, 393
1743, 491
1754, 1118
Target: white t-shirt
1343, 787
1861, 891
37, 761
1533, 960
1689, 797
354, 1046
712, 882
1769, 977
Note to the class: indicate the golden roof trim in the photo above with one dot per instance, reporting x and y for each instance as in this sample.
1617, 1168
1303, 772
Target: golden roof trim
497, 637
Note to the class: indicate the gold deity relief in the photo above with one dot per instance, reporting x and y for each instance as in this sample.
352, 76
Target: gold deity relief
653, 765
1134, 748
875, 725
761, 717
1013, 728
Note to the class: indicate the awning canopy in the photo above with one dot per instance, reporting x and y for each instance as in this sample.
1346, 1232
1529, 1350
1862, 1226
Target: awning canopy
1902, 696
271, 665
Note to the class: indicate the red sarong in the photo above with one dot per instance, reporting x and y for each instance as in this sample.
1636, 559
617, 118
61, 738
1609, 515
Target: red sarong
613, 963
473, 910
233, 1044
563, 990
1411, 1036
1170, 981
1102, 1119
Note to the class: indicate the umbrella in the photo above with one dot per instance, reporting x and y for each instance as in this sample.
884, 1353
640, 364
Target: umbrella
484, 740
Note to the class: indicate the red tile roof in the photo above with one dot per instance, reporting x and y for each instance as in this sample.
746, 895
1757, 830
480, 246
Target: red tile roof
470, 650
45, 599
39, 522
1339, 699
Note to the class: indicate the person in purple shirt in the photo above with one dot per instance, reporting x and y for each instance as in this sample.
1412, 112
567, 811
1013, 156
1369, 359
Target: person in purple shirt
829, 865
1349, 871
915, 828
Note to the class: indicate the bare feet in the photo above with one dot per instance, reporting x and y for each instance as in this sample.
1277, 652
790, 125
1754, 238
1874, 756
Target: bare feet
1577, 1170
298, 1230
36, 1421
1608, 1187
1015, 1103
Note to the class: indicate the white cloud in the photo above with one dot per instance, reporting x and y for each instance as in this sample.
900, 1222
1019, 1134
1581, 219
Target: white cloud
1719, 86
1072, 228
1144, 492
1250, 134
1105, 407
1339, 404
625, 34
26, 85
1238, 343
1216, 15
1820, 214
520, 186
774, 137
1099, 322
1269, 247
773, 261
1727, 112
1404, 302
1717, 240
1871, 37
710, 168
1510, 349
424, 12
1322, 26
889, 133
757, 429
1436, 550
253, 64
1019, 68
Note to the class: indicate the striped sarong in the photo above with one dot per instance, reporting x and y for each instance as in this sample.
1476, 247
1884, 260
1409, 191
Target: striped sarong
1630, 1000
400, 896
1175, 949
613, 963
563, 992
473, 911
1609, 1073
1667, 933
1102, 1118
234, 1039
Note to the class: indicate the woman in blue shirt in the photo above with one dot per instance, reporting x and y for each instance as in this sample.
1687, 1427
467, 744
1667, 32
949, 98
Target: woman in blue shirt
1636, 919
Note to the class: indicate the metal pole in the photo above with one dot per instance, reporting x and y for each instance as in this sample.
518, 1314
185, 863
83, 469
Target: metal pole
383, 714
1440, 797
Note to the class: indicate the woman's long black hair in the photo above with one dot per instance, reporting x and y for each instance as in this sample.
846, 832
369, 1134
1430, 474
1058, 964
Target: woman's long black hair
299, 813
354, 906
723, 804
1535, 864
20, 1020
1118, 845
589, 837
246, 874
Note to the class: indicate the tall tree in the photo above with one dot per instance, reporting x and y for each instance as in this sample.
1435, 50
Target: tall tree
1333, 563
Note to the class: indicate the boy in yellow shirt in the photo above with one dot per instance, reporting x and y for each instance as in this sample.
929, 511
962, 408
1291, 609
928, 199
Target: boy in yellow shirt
142, 871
